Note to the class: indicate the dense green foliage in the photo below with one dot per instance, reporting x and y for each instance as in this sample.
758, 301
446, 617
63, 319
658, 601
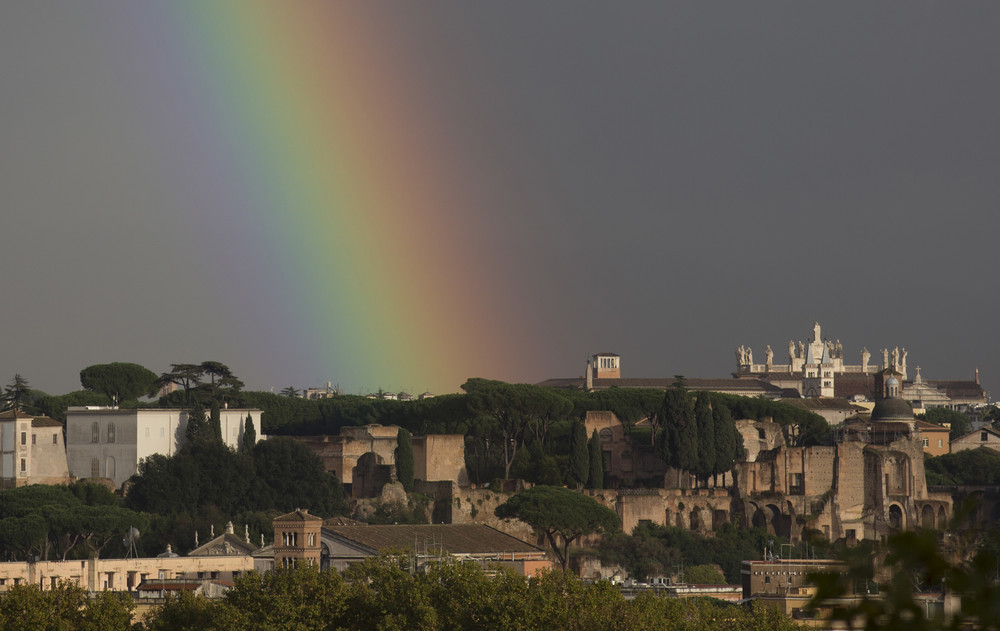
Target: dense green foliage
595, 478
119, 381
382, 594
561, 514
972, 467
68, 607
958, 422
207, 479
887, 577
63, 522
579, 455
654, 550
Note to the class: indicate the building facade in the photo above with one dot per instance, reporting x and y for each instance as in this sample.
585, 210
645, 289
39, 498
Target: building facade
110, 443
32, 450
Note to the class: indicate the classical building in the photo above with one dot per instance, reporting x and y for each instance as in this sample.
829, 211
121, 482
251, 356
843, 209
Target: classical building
31, 450
364, 458
604, 371
817, 368
431, 543
866, 485
109, 443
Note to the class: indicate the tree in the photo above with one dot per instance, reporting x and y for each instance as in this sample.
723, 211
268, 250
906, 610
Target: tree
595, 478
728, 442
222, 382
579, 456
679, 442
187, 376
197, 426
119, 381
289, 392
215, 421
957, 421
404, 459
17, 394
499, 401
706, 437
249, 435
563, 515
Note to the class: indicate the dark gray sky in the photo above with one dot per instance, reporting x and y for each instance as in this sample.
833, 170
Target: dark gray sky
678, 179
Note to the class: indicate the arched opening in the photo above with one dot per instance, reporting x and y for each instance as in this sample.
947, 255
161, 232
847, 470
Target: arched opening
927, 517
942, 519
895, 517
110, 471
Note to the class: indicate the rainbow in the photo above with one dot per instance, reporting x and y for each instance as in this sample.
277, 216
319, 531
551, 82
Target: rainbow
309, 134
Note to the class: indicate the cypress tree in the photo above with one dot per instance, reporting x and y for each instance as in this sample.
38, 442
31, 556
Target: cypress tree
707, 456
729, 442
249, 435
197, 426
579, 456
216, 421
595, 480
404, 459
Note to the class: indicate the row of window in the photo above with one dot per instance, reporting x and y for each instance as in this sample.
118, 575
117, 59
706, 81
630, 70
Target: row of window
95, 468
34, 438
291, 539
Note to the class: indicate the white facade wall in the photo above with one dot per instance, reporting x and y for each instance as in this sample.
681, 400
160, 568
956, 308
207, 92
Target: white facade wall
110, 443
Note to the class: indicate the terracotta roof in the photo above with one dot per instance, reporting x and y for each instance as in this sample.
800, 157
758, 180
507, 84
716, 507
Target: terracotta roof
924, 426
237, 545
44, 421
847, 385
13, 414
453, 538
823, 403
959, 389
299, 514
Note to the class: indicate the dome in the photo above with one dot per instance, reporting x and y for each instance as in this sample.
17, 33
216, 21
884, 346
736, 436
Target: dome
893, 409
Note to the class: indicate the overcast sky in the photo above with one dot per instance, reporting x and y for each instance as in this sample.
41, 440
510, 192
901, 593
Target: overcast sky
685, 178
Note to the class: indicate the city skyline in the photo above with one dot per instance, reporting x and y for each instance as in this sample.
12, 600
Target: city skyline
399, 196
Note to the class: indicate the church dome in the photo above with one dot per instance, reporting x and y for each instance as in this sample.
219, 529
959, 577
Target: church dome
893, 409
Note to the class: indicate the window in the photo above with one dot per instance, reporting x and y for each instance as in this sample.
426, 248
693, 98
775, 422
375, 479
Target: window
147, 432
927, 442
34, 439
111, 432
55, 438
940, 442
24, 465
95, 432
761, 434
95, 468
111, 470
606, 435
985, 436
24, 438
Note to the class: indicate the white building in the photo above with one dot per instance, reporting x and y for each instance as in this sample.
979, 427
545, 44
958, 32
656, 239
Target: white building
110, 443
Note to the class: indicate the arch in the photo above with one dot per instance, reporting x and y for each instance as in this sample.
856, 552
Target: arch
942, 520
896, 517
111, 470
606, 435
927, 517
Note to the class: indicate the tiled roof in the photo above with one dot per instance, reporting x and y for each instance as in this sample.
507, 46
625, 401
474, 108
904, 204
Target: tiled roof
299, 514
823, 403
453, 538
959, 389
44, 421
847, 385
